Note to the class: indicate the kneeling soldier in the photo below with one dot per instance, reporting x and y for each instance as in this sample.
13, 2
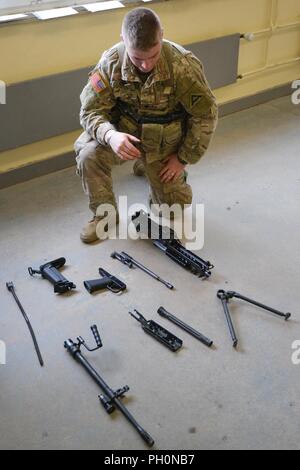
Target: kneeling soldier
147, 100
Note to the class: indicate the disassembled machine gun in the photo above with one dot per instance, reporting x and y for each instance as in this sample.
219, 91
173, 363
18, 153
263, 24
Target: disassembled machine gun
166, 240
110, 399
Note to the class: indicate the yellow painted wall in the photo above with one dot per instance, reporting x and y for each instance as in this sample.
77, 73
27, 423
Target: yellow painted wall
36, 49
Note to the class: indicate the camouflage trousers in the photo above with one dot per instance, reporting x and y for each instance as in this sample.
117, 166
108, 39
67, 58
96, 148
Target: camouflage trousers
94, 166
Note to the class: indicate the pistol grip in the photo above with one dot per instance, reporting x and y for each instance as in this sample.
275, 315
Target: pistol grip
97, 284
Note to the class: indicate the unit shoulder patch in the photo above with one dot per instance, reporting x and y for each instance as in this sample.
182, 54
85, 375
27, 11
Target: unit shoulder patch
98, 82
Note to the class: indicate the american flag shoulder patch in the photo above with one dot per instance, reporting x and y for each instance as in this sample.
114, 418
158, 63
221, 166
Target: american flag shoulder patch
97, 82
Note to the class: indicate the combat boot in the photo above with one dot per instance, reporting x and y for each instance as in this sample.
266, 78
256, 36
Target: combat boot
89, 231
139, 168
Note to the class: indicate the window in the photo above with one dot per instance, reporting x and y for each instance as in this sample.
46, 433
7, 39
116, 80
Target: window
9, 7
24, 6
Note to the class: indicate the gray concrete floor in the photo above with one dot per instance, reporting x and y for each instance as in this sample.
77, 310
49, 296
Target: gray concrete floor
198, 398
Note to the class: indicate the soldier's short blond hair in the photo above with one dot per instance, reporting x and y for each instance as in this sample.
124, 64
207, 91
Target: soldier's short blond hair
141, 28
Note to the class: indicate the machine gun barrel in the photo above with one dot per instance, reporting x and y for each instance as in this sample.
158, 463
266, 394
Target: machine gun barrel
110, 398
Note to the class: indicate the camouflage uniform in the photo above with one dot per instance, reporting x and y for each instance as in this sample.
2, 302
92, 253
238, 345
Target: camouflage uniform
173, 111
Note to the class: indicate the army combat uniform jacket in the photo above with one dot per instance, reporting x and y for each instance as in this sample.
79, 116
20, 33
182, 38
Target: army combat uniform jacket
173, 110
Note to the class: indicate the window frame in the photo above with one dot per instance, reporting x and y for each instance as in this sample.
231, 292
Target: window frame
56, 4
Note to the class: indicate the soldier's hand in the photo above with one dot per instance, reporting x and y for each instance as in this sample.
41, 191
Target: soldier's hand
122, 145
172, 170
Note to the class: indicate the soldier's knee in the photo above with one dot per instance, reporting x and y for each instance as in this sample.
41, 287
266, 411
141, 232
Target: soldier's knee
182, 196
87, 157
83, 140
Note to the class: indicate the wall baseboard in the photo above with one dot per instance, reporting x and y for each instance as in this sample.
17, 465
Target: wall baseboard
255, 100
28, 172
60, 162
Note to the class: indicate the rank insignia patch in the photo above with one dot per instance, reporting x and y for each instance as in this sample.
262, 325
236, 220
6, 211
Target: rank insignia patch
195, 99
97, 82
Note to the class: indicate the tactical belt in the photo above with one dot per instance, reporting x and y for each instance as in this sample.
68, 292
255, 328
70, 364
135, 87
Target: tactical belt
166, 119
